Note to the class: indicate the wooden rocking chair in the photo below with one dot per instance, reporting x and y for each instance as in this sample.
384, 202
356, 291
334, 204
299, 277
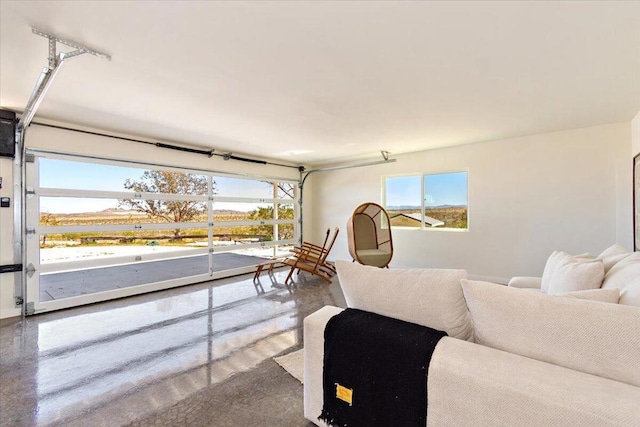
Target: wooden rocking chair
313, 259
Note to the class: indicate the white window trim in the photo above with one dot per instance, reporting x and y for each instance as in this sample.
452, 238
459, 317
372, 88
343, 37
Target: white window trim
423, 207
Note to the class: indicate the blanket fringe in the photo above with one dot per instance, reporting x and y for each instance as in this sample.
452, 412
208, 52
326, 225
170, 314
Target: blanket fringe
327, 418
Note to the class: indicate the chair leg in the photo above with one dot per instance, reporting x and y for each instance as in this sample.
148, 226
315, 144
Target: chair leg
257, 273
286, 281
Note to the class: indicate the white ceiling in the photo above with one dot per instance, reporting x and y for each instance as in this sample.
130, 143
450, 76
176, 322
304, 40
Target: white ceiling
311, 82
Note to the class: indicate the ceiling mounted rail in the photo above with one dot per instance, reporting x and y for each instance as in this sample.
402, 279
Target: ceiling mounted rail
43, 84
304, 175
385, 159
49, 72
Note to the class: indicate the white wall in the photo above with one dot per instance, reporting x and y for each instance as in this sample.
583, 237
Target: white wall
567, 190
635, 142
528, 196
635, 135
78, 143
6, 241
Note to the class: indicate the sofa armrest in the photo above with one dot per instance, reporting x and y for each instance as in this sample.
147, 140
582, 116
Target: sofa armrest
524, 282
314, 325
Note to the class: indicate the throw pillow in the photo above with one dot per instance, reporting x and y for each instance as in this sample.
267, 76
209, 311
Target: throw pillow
587, 336
574, 274
566, 273
555, 260
603, 295
428, 297
612, 255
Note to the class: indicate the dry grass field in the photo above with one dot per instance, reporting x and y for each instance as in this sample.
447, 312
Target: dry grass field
452, 216
160, 237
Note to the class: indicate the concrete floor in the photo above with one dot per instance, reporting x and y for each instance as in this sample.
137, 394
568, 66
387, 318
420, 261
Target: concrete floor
200, 355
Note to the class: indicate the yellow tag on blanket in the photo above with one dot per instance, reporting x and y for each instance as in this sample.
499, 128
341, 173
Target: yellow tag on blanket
345, 394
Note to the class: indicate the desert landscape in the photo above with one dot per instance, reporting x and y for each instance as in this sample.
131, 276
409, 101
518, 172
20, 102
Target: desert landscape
162, 237
452, 216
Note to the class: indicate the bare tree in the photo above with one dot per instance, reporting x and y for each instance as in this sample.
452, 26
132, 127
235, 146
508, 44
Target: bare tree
153, 181
286, 189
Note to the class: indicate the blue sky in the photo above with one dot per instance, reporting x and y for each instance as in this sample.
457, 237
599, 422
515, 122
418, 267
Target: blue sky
440, 189
445, 189
403, 191
93, 176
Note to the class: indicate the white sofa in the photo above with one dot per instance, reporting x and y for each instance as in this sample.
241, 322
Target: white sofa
614, 269
512, 357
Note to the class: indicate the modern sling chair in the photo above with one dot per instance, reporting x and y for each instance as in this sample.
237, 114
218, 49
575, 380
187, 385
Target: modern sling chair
369, 235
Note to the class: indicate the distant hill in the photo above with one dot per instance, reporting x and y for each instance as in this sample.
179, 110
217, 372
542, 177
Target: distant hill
402, 208
127, 212
113, 211
445, 207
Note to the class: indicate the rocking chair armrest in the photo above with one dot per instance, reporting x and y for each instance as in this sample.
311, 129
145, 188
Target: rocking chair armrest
308, 252
310, 246
305, 248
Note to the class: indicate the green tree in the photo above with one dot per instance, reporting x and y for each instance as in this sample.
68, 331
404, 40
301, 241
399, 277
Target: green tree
153, 181
266, 213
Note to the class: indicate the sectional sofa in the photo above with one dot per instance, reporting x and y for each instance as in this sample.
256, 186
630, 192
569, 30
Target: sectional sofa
566, 354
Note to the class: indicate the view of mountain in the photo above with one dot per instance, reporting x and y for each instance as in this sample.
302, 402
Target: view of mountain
409, 207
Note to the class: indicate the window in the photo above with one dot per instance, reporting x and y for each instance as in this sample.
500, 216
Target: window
428, 201
445, 200
403, 201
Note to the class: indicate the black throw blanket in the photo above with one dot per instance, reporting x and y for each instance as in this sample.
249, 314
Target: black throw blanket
375, 370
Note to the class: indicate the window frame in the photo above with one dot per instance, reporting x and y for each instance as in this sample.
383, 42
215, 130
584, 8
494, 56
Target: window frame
35, 228
423, 208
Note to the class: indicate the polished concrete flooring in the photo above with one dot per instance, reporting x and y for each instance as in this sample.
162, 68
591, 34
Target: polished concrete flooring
200, 355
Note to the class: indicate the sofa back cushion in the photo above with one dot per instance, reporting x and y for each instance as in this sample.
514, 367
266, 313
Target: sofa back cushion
630, 295
428, 297
612, 255
623, 274
593, 337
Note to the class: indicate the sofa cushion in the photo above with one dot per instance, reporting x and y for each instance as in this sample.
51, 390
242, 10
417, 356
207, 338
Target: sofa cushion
612, 255
374, 257
573, 276
630, 295
473, 385
570, 274
558, 260
428, 297
603, 295
623, 273
600, 339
